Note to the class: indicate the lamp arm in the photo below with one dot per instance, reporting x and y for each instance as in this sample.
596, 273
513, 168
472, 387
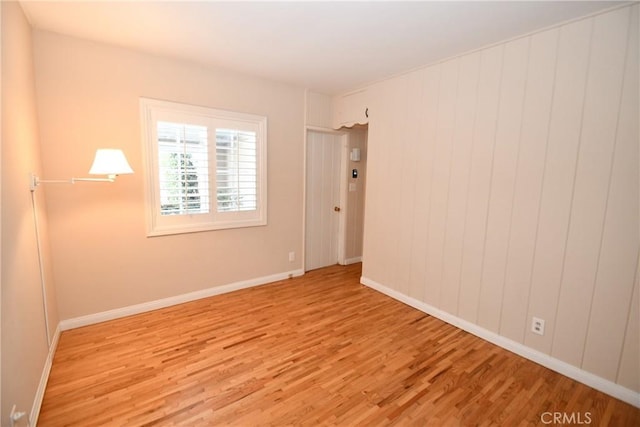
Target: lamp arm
35, 181
110, 178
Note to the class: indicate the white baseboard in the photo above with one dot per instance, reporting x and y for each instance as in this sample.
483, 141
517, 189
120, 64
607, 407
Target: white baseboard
117, 313
616, 390
354, 260
44, 378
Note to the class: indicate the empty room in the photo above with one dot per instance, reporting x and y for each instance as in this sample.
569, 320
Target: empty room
312, 213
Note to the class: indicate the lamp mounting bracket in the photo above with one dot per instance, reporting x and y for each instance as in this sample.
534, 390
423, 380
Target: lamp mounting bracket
34, 181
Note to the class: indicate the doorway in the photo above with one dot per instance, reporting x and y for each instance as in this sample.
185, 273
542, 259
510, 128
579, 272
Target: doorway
325, 199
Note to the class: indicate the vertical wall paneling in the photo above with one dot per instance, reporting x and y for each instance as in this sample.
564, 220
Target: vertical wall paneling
629, 369
619, 247
525, 191
462, 146
377, 220
393, 161
447, 95
370, 238
424, 154
479, 182
529, 173
557, 187
406, 140
388, 185
602, 102
514, 77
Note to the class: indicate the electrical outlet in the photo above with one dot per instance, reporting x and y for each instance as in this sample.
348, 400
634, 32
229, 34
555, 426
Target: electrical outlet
537, 326
292, 256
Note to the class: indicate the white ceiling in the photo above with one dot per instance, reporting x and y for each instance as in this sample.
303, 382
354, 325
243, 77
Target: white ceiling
329, 46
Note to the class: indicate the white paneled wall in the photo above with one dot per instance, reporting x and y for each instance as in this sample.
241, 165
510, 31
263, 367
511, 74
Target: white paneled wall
503, 184
440, 174
617, 258
425, 84
591, 186
628, 369
534, 129
459, 172
560, 165
505, 161
479, 189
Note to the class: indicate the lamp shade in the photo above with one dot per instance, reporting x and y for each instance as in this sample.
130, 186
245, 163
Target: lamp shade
109, 161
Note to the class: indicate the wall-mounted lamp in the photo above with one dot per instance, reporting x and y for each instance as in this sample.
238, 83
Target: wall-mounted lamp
108, 161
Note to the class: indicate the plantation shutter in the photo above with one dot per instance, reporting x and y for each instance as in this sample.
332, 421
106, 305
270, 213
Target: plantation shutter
206, 168
183, 162
236, 170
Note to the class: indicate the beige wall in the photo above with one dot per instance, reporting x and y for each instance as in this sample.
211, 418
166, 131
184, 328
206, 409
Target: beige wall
318, 110
503, 184
24, 342
88, 96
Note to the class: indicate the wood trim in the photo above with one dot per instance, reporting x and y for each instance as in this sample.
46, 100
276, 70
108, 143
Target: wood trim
323, 130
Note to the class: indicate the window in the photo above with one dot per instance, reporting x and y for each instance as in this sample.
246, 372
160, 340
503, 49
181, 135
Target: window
206, 168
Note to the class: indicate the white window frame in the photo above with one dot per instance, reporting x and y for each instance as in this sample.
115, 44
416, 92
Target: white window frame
152, 111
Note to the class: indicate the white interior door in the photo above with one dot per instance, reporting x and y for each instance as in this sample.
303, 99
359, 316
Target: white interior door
323, 212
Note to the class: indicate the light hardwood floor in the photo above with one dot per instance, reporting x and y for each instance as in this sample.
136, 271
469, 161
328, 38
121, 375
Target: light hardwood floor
317, 350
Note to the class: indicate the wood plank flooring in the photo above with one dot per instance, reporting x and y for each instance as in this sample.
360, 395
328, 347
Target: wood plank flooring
317, 350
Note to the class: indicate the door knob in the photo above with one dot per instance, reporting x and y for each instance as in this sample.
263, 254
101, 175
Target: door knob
337, 209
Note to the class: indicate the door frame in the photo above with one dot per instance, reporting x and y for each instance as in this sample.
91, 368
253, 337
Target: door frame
343, 178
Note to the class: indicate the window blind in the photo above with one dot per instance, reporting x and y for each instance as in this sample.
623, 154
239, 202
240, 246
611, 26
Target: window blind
236, 170
183, 168
206, 169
